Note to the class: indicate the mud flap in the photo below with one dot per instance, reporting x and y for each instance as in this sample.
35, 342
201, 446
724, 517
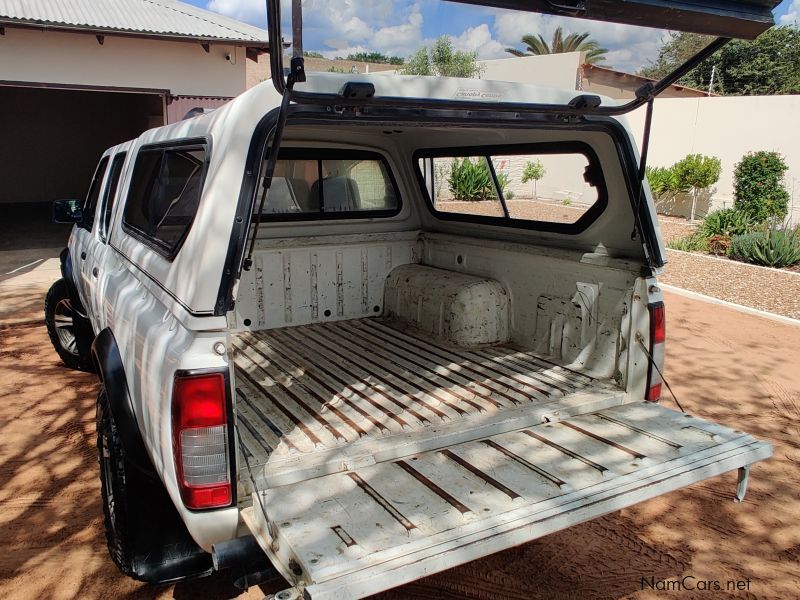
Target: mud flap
353, 534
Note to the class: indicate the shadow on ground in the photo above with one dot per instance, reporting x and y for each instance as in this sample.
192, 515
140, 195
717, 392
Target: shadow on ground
722, 364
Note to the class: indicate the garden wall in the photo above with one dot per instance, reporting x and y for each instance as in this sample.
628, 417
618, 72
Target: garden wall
726, 127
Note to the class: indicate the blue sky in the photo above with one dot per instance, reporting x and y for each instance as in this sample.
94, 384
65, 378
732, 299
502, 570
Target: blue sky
399, 27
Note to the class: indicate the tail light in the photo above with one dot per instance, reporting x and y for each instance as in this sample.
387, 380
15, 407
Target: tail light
658, 334
200, 438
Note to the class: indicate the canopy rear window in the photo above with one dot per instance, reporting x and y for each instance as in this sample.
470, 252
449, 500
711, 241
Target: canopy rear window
556, 186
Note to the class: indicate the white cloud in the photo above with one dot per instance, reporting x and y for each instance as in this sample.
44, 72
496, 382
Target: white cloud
339, 27
511, 26
249, 11
479, 39
629, 47
793, 14
398, 39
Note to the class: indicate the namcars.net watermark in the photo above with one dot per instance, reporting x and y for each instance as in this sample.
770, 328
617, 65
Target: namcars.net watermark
692, 583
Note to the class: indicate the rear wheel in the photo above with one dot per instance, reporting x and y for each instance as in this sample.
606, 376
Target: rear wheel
113, 487
60, 318
145, 535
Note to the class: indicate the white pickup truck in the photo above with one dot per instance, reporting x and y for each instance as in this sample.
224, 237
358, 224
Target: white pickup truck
319, 355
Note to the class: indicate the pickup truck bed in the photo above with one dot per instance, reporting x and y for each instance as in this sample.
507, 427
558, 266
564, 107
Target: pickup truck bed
327, 397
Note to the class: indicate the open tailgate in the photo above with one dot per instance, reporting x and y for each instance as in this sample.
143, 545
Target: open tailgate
353, 534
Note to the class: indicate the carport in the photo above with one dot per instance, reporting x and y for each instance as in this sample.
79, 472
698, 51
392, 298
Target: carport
55, 136
77, 77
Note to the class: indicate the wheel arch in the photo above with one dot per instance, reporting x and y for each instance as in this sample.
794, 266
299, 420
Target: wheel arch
109, 367
68, 274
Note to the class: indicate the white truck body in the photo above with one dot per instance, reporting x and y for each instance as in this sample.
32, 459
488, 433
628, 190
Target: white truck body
407, 392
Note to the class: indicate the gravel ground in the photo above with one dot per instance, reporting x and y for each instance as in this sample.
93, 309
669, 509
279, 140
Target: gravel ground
675, 227
531, 210
773, 290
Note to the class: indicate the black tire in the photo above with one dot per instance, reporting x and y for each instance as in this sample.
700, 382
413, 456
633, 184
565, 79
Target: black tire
64, 332
113, 488
145, 535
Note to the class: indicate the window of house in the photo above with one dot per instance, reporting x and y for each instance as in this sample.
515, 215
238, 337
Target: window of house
553, 186
164, 194
310, 184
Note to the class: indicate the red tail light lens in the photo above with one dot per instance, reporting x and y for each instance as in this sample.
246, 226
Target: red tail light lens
200, 438
658, 336
658, 323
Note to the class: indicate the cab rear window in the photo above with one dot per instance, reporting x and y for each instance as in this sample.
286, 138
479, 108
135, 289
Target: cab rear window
328, 184
164, 194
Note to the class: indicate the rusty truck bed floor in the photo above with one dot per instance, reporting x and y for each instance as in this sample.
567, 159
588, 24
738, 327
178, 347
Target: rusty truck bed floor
321, 398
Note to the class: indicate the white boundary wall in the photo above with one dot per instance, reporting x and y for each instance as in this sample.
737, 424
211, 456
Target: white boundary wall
726, 127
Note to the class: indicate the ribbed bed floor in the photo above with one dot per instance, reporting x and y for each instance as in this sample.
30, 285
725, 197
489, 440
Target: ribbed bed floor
316, 388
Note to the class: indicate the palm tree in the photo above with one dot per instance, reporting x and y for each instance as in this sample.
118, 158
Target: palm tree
574, 42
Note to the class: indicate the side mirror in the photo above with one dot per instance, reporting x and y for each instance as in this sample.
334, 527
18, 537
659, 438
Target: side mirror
67, 211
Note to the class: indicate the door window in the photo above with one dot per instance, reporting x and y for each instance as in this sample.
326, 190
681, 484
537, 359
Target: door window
111, 193
90, 205
164, 195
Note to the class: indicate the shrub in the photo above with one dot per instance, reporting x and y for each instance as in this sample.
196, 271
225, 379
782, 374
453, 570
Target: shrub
757, 185
689, 243
772, 247
719, 244
726, 222
470, 180
664, 182
503, 179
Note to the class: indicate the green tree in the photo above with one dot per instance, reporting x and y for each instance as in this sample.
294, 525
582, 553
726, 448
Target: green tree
375, 57
442, 60
534, 171
312, 54
697, 172
758, 190
676, 50
536, 45
770, 64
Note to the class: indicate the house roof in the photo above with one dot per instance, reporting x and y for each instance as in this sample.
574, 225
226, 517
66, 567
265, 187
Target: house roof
638, 79
154, 18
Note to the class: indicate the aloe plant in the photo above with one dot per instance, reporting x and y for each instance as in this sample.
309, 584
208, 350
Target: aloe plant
772, 247
470, 180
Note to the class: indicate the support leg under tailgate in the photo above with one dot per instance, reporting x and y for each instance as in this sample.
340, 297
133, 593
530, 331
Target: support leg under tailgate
352, 534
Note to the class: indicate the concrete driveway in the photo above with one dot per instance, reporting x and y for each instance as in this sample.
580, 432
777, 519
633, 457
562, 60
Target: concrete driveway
738, 369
